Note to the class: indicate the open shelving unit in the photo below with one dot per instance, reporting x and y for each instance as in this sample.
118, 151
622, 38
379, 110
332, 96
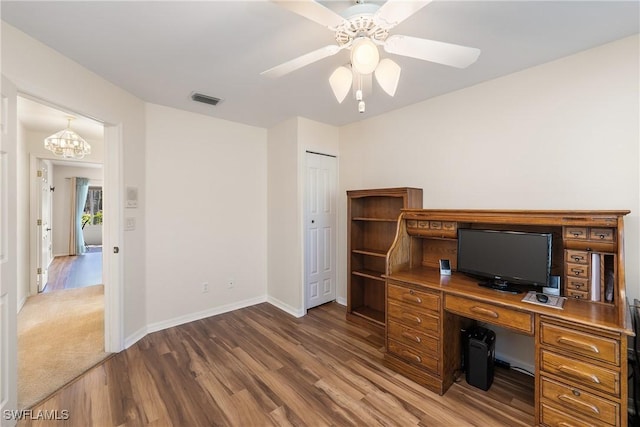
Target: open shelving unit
372, 225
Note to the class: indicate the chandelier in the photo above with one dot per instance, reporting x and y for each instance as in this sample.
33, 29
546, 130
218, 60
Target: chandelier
67, 143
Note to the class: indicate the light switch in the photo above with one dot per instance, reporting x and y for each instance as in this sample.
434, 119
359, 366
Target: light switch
130, 224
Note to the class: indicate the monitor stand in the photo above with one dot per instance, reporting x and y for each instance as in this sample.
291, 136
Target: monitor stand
501, 287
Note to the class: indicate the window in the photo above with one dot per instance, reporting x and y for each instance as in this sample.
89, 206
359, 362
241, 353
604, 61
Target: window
93, 207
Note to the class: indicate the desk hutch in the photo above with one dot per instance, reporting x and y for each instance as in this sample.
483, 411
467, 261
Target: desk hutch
580, 350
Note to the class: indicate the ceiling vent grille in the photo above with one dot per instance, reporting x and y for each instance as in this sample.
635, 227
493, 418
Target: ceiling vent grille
198, 97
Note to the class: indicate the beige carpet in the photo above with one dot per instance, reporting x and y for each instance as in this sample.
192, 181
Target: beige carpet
60, 336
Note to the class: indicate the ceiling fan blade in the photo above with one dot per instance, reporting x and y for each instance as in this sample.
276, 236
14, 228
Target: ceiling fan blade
302, 61
394, 12
313, 11
433, 51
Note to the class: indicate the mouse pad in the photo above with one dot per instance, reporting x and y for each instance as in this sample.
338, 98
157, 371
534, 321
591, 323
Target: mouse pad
553, 302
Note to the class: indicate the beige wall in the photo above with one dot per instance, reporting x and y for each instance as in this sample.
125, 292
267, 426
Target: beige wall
207, 215
288, 143
563, 135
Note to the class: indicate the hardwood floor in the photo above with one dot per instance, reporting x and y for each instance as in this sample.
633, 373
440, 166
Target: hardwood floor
67, 272
261, 367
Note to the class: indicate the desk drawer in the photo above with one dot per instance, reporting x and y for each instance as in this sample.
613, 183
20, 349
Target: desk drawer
413, 318
413, 338
578, 257
571, 293
577, 283
572, 399
577, 270
552, 417
579, 372
590, 345
497, 315
419, 299
580, 233
425, 360
602, 234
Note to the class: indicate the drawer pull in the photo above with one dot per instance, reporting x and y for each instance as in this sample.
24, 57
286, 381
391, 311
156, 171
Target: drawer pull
578, 344
411, 337
602, 236
568, 399
410, 355
576, 233
484, 311
577, 271
412, 298
579, 374
412, 318
578, 258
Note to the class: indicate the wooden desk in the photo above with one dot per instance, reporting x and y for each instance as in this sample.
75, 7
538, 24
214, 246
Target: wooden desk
580, 351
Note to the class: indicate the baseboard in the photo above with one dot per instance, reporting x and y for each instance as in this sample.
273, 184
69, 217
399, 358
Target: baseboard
286, 307
181, 320
341, 301
21, 304
135, 337
57, 255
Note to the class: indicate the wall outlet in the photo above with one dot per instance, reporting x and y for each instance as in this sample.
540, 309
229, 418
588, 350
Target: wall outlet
230, 283
205, 287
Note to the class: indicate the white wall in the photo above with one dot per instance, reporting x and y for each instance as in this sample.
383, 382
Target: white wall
43, 73
23, 272
288, 142
62, 202
207, 215
563, 135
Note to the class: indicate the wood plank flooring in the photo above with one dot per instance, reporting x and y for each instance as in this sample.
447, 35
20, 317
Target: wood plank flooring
259, 366
69, 272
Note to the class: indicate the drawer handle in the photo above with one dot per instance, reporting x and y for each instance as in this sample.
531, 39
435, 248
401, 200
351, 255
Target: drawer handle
410, 355
484, 311
578, 344
577, 285
576, 233
579, 374
411, 337
411, 317
568, 399
577, 271
412, 298
578, 258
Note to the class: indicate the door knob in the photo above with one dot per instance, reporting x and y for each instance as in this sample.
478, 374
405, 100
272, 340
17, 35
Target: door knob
47, 229
313, 221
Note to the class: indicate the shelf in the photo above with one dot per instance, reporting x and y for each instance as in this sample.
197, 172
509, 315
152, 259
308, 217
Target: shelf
370, 314
371, 274
375, 219
371, 252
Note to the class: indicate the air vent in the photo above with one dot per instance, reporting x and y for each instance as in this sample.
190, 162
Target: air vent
198, 97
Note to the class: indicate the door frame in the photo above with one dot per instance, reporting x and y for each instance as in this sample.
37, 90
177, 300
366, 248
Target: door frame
305, 241
34, 208
112, 268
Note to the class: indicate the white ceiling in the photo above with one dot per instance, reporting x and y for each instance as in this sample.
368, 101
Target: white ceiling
163, 51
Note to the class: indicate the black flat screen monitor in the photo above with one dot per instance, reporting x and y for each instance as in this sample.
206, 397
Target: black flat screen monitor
505, 258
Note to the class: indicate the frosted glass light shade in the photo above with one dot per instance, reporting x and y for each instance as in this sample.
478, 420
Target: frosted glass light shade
364, 55
67, 144
388, 75
340, 81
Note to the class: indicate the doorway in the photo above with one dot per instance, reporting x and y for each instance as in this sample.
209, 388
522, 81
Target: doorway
61, 324
320, 229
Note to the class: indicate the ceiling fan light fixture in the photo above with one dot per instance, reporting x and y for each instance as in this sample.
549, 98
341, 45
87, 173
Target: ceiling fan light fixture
364, 55
340, 82
388, 76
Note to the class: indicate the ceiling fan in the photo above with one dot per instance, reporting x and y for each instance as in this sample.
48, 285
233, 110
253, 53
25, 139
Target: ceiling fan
362, 28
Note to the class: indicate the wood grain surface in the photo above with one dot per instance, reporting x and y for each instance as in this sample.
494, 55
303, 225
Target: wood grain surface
259, 366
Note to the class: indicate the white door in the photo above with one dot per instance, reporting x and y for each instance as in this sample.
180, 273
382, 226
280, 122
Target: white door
8, 250
44, 249
320, 229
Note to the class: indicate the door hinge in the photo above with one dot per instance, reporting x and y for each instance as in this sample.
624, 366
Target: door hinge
39, 270
39, 222
39, 174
